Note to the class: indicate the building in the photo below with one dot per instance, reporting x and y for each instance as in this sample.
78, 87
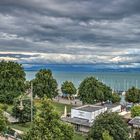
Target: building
113, 107
135, 125
83, 117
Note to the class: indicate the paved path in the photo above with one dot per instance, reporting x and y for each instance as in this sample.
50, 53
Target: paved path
10, 118
3, 138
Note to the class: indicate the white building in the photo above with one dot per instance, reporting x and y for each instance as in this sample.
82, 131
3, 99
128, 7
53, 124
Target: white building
88, 112
83, 117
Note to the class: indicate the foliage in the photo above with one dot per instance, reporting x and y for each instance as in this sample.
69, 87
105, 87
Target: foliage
3, 122
106, 136
112, 123
48, 126
137, 135
12, 78
23, 113
133, 95
44, 84
115, 98
91, 90
68, 88
135, 111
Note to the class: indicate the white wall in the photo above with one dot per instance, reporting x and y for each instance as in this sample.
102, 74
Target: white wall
81, 114
90, 116
98, 112
116, 109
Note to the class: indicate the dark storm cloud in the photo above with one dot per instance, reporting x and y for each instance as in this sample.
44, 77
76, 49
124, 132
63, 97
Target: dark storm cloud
71, 31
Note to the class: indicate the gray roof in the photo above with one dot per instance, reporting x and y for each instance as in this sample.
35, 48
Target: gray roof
110, 106
135, 121
90, 108
79, 121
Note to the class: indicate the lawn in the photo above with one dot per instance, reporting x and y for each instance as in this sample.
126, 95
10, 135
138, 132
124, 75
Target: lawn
22, 127
59, 107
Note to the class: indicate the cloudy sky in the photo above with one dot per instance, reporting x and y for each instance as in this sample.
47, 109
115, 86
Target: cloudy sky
105, 33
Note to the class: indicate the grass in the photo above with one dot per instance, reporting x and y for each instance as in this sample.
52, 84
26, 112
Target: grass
59, 107
79, 137
22, 127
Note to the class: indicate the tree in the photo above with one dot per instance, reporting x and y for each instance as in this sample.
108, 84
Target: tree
91, 90
137, 135
68, 88
133, 95
48, 126
106, 136
135, 111
115, 98
112, 123
3, 122
22, 110
12, 78
44, 84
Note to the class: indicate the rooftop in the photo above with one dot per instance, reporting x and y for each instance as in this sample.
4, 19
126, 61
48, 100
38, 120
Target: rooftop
79, 121
109, 106
135, 122
89, 108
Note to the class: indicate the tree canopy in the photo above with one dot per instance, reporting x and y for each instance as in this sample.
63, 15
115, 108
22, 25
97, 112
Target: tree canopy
135, 111
12, 78
106, 136
22, 110
44, 84
3, 122
91, 90
112, 123
68, 88
115, 98
133, 95
48, 126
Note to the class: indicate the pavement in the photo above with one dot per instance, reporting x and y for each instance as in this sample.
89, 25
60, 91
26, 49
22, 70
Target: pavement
10, 118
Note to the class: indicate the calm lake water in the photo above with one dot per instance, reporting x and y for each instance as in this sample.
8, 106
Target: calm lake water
116, 80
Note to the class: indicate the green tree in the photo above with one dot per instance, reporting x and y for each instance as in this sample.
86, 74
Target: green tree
133, 95
44, 84
12, 78
135, 111
91, 90
68, 88
112, 123
3, 123
137, 135
106, 136
115, 98
22, 110
48, 126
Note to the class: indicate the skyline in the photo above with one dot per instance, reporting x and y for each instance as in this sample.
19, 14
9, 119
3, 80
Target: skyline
104, 34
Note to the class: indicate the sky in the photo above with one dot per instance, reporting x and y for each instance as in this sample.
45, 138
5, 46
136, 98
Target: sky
102, 33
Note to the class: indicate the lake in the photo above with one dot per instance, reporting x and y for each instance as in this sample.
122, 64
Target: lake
116, 80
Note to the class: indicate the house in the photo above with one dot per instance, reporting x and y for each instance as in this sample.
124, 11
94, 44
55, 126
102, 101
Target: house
135, 125
83, 117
